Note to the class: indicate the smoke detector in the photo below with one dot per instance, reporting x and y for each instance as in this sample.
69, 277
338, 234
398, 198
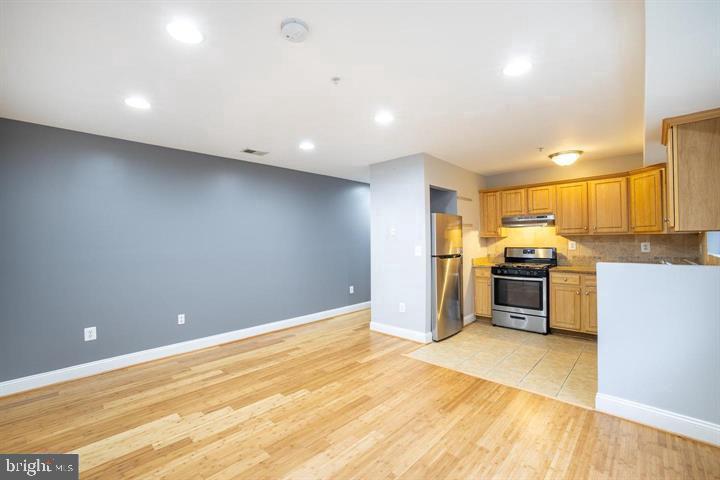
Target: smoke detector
294, 30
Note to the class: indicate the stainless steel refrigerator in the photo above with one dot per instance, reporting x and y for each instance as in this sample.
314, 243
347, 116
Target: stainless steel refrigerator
446, 256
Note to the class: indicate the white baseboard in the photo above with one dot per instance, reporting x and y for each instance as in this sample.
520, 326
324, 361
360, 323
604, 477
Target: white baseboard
656, 417
415, 336
106, 364
468, 319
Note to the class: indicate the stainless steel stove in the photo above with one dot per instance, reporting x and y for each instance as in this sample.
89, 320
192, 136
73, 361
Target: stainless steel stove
520, 293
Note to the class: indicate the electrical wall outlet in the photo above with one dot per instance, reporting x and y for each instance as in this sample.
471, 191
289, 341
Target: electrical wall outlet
401, 307
572, 245
90, 334
352, 289
393, 232
645, 247
181, 319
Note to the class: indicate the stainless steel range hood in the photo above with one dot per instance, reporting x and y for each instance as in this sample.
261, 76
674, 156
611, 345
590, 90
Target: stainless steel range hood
528, 220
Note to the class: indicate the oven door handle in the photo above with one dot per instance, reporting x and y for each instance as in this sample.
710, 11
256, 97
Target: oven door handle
529, 279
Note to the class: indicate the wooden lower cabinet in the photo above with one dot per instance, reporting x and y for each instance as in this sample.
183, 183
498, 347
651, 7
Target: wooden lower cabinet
565, 306
573, 302
588, 314
483, 291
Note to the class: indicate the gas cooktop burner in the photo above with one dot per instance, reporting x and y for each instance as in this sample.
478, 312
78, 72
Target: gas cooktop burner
525, 266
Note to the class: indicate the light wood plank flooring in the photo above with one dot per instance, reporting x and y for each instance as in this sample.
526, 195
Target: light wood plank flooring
330, 400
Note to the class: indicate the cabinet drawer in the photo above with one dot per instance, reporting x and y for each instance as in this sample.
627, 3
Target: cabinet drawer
589, 281
565, 278
482, 271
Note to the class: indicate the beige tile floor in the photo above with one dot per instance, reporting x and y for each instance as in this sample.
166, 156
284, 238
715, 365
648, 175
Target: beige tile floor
553, 365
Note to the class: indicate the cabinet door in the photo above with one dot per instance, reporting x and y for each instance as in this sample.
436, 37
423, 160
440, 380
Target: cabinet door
483, 301
589, 310
565, 307
697, 176
572, 208
541, 199
608, 212
670, 180
513, 202
490, 214
646, 201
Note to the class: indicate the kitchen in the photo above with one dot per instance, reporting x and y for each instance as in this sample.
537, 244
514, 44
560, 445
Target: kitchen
543, 242
360, 239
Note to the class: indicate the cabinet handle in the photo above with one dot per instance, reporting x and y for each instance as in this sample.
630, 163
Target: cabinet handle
584, 228
587, 293
577, 293
666, 220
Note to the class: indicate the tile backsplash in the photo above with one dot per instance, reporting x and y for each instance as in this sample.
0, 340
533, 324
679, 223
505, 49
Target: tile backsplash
599, 248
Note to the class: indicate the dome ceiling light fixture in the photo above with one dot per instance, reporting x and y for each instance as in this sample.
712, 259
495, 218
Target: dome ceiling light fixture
566, 157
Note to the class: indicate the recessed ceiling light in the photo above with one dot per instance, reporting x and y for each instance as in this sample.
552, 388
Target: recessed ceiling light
565, 158
383, 117
137, 102
184, 31
306, 145
517, 67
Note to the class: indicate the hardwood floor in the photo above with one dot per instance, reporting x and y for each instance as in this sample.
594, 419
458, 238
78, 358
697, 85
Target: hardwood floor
330, 400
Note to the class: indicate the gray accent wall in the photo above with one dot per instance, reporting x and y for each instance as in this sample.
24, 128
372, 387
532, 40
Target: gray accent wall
124, 236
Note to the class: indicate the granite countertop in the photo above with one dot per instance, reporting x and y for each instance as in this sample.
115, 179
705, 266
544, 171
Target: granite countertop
483, 262
574, 268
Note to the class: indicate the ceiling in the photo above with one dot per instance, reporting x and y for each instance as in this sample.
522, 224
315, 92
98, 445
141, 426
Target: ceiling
436, 66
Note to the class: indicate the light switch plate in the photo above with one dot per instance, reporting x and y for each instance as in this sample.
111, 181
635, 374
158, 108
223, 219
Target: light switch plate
645, 247
352, 289
401, 307
572, 245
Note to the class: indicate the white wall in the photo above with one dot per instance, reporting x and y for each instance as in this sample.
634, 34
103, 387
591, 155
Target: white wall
398, 211
439, 173
682, 64
659, 346
400, 203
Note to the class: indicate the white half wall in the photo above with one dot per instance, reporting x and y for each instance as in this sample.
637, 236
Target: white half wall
659, 346
682, 64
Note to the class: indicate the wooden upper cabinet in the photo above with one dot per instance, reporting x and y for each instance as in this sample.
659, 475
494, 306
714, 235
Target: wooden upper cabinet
670, 181
646, 201
572, 208
694, 175
541, 199
513, 202
490, 214
608, 205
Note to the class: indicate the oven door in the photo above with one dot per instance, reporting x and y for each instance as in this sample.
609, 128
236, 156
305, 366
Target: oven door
520, 295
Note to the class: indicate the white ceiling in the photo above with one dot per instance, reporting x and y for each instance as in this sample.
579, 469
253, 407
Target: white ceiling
437, 66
